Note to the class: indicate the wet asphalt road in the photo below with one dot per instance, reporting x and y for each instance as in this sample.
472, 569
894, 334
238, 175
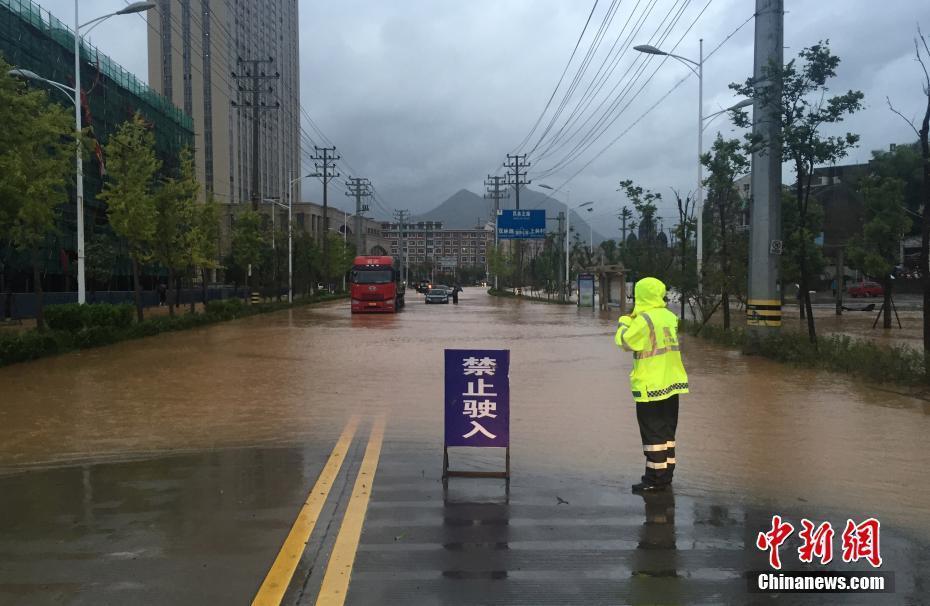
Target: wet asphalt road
170, 470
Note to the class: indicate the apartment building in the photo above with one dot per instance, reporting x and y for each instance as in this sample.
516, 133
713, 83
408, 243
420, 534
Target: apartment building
446, 248
208, 57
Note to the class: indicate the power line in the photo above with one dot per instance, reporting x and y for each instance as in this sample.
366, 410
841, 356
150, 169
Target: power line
638, 64
561, 78
652, 107
579, 73
611, 114
598, 130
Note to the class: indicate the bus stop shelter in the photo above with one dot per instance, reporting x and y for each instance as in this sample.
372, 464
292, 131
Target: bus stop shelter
611, 284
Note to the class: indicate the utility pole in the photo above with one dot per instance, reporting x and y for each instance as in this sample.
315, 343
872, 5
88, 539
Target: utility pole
562, 241
402, 216
325, 163
516, 176
494, 192
360, 188
763, 309
254, 75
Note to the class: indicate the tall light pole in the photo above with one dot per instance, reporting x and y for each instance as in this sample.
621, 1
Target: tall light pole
699, 72
590, 233
568, 231
290, 234
75, 95
568, 228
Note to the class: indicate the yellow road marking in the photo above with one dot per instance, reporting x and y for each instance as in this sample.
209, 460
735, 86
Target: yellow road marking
279, 577
339, 570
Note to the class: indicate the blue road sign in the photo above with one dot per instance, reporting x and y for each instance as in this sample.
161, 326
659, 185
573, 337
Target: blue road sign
478, 397
521, 224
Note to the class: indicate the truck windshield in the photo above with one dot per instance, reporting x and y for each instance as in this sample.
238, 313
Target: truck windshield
372, 276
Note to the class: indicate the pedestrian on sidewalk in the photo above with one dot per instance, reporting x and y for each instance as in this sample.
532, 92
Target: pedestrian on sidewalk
455, 294
658, 377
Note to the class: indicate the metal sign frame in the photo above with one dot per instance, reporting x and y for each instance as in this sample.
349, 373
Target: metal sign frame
469, 372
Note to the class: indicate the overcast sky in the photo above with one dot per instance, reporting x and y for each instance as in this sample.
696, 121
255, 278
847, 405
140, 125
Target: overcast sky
426, 97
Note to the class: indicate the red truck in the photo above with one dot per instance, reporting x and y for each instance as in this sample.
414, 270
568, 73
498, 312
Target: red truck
376, 285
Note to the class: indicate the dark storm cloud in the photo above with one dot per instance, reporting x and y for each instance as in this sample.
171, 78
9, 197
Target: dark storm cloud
426, 96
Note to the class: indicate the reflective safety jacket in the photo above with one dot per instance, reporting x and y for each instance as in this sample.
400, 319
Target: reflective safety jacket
651, 333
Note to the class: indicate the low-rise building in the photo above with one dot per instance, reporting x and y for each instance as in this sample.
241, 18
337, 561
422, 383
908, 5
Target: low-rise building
429, 241
308, 218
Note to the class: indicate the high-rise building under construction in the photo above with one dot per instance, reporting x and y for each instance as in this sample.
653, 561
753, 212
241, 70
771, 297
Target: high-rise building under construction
233, 66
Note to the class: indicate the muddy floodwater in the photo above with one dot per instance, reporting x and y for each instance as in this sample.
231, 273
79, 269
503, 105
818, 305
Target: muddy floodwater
751, 429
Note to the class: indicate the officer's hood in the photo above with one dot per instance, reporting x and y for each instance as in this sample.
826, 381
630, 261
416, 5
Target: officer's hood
650, 294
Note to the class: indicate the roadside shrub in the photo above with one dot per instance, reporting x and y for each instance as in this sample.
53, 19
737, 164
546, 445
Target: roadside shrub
103, 314
143, 329
506, 293
837, 353
84, 326
95, 336
225, 308
68, 316
72, 317
29, 346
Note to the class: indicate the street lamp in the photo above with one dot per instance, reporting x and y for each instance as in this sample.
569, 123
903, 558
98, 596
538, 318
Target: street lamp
591, 233
699, 72
744, 103
568, 218
75, 95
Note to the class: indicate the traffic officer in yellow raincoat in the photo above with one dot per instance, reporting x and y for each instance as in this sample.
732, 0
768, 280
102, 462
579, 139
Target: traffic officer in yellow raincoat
651, 333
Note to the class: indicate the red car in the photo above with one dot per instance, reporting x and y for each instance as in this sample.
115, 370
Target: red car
866, 289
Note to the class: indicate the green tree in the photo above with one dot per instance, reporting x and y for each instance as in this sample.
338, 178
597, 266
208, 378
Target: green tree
725, 163
502, 265
129, 193
307, 260
800, 94
645, 255
547, 267
875, 251
626, 223
341, 256
904, 163
922, 50
684, 276
175, 216
247, 244
610, 251
36, 147
204, 241
798, 241
101, 256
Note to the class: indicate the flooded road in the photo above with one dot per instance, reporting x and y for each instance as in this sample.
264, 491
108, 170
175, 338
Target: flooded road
194, 451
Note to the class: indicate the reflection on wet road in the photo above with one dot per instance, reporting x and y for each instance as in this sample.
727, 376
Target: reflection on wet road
174, 466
